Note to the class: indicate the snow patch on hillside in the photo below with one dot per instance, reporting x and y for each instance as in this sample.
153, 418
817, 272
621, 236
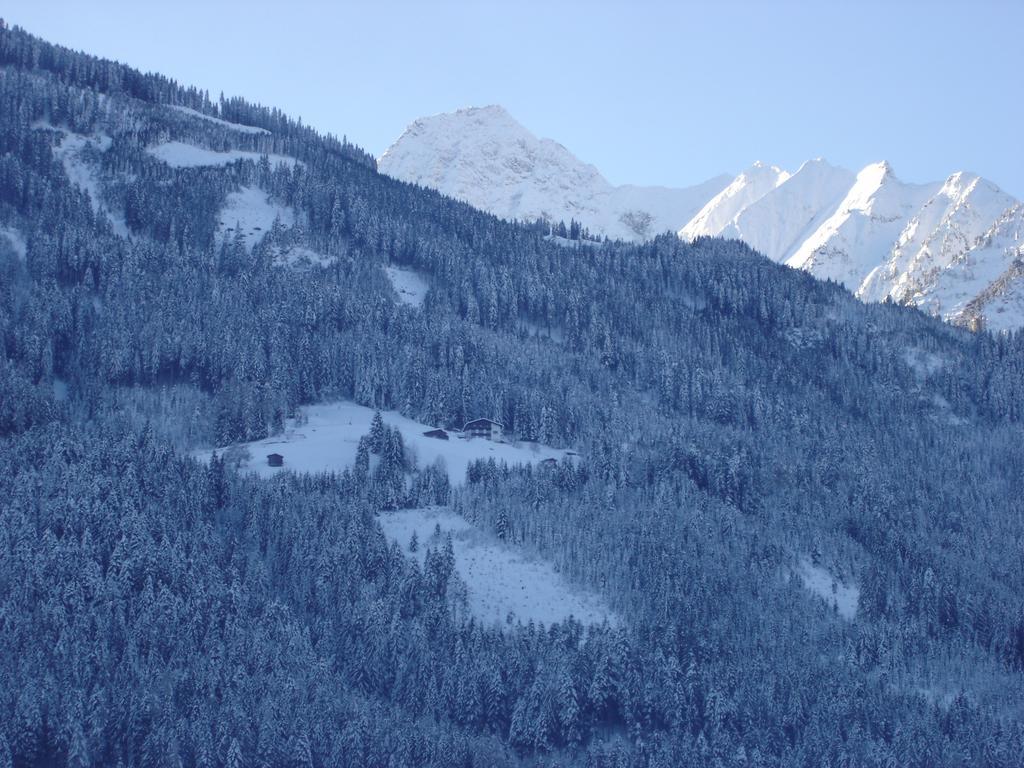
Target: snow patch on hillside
80, 157
217, 121
251, 212
325, 439
504, 584
15, 241
843, 598
408, 284
178, 154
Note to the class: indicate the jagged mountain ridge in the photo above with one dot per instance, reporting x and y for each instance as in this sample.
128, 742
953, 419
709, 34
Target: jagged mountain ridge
938, 246
482, 156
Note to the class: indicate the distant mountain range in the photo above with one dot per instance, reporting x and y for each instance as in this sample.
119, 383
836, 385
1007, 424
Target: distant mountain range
952, 248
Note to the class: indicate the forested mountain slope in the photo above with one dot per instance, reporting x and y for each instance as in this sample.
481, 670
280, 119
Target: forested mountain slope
952, 249
176, 274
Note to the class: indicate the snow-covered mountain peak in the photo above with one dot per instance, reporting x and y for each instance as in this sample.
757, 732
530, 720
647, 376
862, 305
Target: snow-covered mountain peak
483, 156
935, 245
870, 181
777, 221
945, 228
746, 189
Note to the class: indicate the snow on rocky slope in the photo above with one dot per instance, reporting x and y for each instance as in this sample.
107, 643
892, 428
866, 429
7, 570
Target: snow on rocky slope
720, 212
485, 158
861, 231
951, 248
945, 228
983, 286
778, 221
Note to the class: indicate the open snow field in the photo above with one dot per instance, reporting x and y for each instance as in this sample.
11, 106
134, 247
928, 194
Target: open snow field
251, 211
14, 240
822, 583
502, 581
410, 287
217, 121
178, 154
326, 436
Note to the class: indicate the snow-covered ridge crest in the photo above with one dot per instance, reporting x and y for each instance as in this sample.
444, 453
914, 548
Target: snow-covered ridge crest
483, 156
946, 247
746, 189
881, 237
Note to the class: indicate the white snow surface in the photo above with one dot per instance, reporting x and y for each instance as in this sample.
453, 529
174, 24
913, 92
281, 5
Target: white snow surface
931, 245
941, 232
986, 281
408, 284
777, 222
502, 581
938, 246
16, 242
482, 156
179, 154
326, 436
77, 153
217, 121
251, 212
719, 214
840, 596
859, 235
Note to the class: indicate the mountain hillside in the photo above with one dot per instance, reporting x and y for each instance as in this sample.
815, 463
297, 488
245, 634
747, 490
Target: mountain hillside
880, 237
719, 512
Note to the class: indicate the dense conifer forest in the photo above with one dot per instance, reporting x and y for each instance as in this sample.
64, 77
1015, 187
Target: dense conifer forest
737, 421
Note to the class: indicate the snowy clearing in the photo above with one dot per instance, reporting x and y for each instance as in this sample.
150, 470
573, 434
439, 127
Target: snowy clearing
410, 287
501, 581
217, 121
15, 241
327, 436
74, 153
822, 583
178, 154
252, 212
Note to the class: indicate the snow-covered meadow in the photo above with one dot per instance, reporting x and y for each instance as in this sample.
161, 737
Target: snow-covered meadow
178, 154
325, 437
251, 211
409, 285
504, 584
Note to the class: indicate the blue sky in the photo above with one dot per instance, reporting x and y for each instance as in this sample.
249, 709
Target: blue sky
649, 92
